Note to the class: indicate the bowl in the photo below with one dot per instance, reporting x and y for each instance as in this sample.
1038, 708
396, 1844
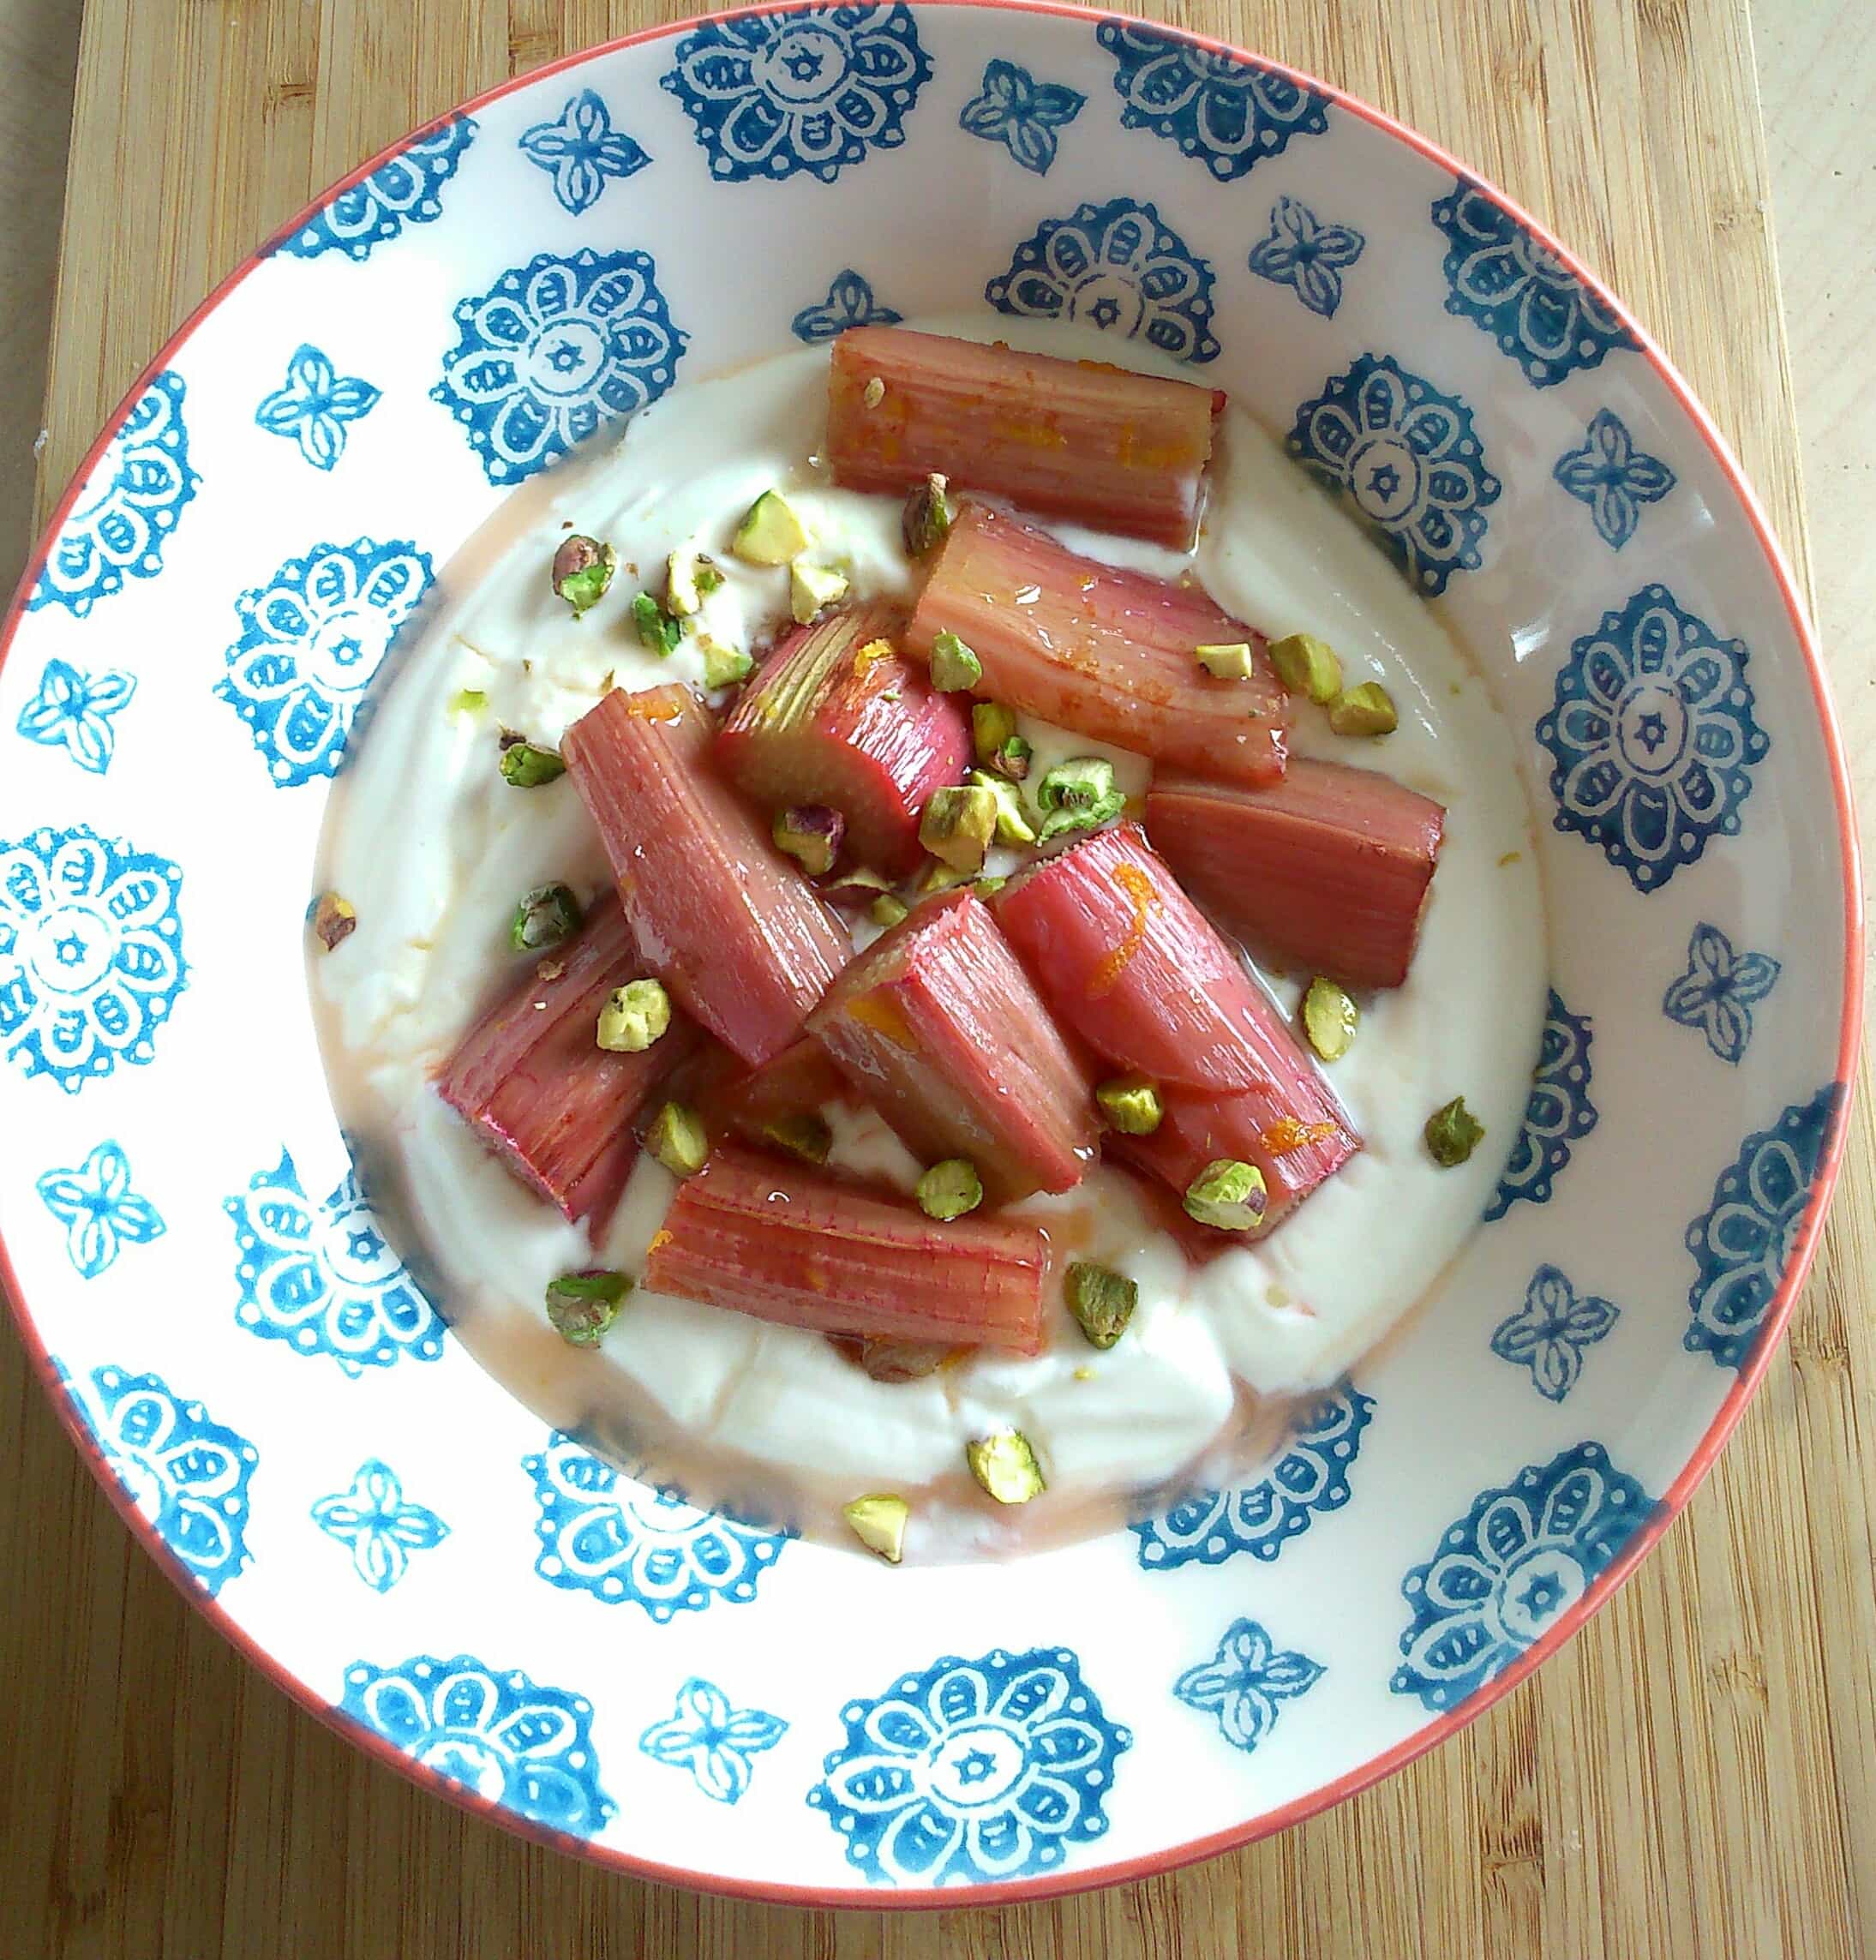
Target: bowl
248, 1365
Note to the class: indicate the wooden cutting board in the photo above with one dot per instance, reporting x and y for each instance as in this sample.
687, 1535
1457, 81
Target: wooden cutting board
1696, 1774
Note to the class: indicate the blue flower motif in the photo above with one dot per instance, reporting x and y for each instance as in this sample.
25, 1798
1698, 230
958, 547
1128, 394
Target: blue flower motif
315, 406
1116, 266
184, 1471
405, 191
1230, 111
604, 1534
91, 954
849, 302
1559, 1114
1613, 478
1743, 1242
1537, 309
324, 1279
1718, 992
1653, 737
771, 94
72, 710
1409, 458
551, 350
1015, 109
1245, 1681
1511, 1568
581, 150
124, 514
380, 1526
101, 1213
1549, 1332
312, 640
973, 1771
711, 1739
492, 1732
1310, 1477
1302, 252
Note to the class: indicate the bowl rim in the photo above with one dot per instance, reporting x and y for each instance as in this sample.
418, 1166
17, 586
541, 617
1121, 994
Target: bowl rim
1601, 1590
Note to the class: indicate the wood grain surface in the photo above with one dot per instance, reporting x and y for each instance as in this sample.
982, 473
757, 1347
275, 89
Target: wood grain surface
1697, 1773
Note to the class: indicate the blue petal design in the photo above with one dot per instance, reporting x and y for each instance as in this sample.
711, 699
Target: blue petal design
380, 1525
77, 711
582, 151
101, 1213
314, 405
714, 1741
1613, 478
1718, 992
1022, 114
1304, 253
849, 302
1549, 1332
1245, 1683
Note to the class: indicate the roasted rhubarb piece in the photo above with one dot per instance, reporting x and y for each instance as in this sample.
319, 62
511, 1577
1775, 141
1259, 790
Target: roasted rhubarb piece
937, 1026
1070, 439
1328, 869
556, 1107
765, 1106
726, 922
801, 1247
835, 718
1108, 653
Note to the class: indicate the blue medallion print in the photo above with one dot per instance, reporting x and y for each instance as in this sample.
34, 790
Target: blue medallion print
314, 404
1310, 1478
91, 954
1613, 478
551, 350
1653, 738
1510, 1569
126, 508
1022, 114
711, 1739
1719, 990
1302, 252
1116, 266
1227, 110
1408, 457
492, 1732
582, 151
849, 302
1244, 1682
603, 1533
973, 1771
380, 1525
185, 1472
323, 1278
101, 1213
72, 710
1519, 292
772, 94
1559, 1115
312, 640
1549, 1332
1743, 1242
407, 190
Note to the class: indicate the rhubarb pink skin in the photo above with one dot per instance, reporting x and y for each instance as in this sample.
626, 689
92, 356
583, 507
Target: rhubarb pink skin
1108, 653
937, 1027
1079, 439
744, 1102
801, 1247
1329, 869
727, 923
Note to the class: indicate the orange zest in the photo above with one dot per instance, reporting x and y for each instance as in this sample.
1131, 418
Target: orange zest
867, 657
1139, 889
879, 1011
1287, 1135
658, 1238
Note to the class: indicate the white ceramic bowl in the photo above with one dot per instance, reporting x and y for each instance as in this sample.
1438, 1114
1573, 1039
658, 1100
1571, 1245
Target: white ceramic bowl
283, 1418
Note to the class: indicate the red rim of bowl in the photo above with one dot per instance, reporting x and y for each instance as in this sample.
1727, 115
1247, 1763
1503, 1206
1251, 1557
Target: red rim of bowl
1600, 1591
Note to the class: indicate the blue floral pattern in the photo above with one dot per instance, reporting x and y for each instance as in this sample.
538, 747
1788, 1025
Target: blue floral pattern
1022, 114
1245, 1681
1509, 1570
1719, 990
1653, 738
604, 1534
314, 404
973, 1771
91, 954
407, 190
1549, 1332
772, 94
74, 710
380, 1525
1302, 252
581, 150
312, 640
1559, 1115
711, 1739
1613, 478
1519, 292
1228, 111
1743, 1242
492, 1732
1116, 266
551, 350
101, 1213
849, 302
125, 510
324, 1278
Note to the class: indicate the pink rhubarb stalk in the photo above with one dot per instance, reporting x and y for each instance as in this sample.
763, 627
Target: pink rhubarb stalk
733, 1101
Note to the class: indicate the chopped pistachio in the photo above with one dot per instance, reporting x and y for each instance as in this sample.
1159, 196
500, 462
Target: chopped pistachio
1013, 824
583, 569
769, 533
690, 578
1005, 1467
677, 1140
334, 920
546, 918
855, 888
1131, 1104
878, 1520
988, 887
949, 1190
957, 825
1307, 665
1078, 795
955, 667
581, 1306
1232, 662
658, 633
812, 589
524, 766
886, 910
1453, 1133
1329, 1019
468, 701
926, 521
808, 1137
811, 833
1368, 709
724, 666
1101, 1300
874, 392
635, 1016
1227, 1194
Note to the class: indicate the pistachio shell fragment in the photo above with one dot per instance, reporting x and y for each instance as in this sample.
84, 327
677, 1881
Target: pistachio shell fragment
1368, 709
1307, 665
635, 1016
1131, 1104
878, 1520
1101, 1300
581, 1306
1005, 1466
677, 1140
949, 1190
1329, 1019
955, 667
1227, 1194
1453, 1133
